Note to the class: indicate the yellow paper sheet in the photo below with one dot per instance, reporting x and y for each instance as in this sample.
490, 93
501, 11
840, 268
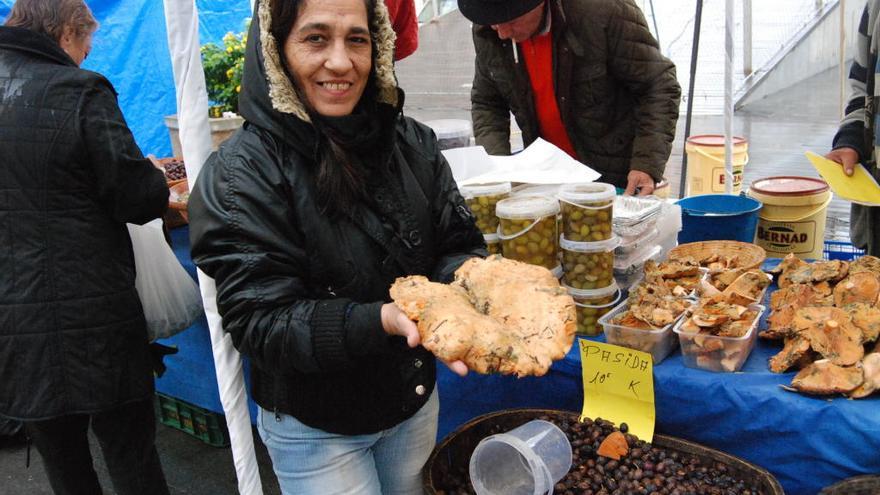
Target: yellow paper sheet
619, 386
859, 188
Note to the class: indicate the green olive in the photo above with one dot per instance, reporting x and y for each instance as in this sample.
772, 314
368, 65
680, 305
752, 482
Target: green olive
587, 223
588, 317
588, 270
483, 208
536, 244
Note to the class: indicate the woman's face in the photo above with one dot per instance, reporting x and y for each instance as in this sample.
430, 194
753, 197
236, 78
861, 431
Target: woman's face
77, 46
328, 51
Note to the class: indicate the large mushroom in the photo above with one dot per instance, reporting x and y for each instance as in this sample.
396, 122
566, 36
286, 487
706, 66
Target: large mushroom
824, 377
861, 287
499, 315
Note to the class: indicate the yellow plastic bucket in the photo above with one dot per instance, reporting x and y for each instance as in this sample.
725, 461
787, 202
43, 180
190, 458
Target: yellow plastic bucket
706, 174
792, 219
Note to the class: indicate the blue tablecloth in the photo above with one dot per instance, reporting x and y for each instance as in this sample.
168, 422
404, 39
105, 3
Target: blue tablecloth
806, 442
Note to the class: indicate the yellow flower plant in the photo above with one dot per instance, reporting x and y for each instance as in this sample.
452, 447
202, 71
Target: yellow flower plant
223, 67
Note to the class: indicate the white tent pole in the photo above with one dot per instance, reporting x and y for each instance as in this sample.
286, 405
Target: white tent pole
182, 24
728, 96
747, 37
842, 58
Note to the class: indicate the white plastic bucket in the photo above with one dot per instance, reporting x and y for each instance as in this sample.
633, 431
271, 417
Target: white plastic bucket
706, 172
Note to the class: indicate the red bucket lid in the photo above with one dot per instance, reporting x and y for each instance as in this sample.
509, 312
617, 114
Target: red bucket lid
789, 186
714, 140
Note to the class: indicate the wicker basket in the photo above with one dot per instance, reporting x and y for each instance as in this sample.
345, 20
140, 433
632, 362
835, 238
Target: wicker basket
176, 215
749, 255
859, 485
454, 452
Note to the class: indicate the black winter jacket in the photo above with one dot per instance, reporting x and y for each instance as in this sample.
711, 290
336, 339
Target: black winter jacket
72, 330
300, 291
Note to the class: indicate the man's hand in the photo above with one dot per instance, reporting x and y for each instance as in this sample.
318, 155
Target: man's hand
395, 322
639, 180
847, 157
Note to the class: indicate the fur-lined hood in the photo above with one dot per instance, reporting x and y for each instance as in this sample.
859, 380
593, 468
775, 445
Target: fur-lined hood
268, 97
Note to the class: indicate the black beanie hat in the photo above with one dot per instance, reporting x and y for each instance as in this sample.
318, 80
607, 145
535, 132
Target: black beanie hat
489, 12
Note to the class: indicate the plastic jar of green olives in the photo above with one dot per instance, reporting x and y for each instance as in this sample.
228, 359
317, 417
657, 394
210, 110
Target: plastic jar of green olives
588, 265
493, 243
527, 228
481, 199
587, 211
591, 305
551, 190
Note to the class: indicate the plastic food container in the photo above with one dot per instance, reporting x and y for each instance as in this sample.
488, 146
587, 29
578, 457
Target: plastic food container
627, 275
793, 217
592, 305
551, 190
588, 265
587, 210
632, 244
706, 173
493, 243
657, 342
527, 228
452, 133
527, 460
716, 353
481, 199
634, 215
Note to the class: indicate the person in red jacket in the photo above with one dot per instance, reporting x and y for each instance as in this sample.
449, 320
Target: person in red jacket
405, 23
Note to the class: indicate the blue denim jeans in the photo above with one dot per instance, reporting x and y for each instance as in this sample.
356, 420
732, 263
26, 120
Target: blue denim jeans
311, 461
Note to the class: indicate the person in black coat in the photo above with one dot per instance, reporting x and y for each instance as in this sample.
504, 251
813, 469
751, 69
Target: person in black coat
304, 218
73, 340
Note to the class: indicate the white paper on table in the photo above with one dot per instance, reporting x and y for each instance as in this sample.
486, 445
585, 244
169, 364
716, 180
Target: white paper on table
540, 163
468, 162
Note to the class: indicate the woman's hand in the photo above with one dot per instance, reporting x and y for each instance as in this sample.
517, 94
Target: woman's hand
395, 322
847, 157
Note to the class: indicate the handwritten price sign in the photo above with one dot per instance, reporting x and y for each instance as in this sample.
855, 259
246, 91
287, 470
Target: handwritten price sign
619, 386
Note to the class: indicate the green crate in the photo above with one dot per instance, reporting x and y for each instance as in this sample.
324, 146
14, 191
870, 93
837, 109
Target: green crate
203, 424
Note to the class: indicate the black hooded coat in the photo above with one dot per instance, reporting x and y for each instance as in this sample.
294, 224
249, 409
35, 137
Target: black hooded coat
300, 290
72, 333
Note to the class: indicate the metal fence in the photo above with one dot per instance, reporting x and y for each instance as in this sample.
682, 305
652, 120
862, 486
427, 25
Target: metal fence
775, 25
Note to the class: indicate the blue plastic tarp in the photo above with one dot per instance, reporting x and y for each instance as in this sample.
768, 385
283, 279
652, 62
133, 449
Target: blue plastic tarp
130, 48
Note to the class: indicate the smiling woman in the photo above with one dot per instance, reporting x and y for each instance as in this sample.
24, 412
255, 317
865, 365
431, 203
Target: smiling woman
328, 52
305, 218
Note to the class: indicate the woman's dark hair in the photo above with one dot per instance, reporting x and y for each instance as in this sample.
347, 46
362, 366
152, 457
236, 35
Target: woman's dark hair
51, 17
341, 175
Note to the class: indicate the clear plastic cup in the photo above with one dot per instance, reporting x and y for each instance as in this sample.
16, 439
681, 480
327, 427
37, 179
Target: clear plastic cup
528, 460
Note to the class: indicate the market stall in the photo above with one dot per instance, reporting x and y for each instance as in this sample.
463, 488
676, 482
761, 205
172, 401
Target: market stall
806, 442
